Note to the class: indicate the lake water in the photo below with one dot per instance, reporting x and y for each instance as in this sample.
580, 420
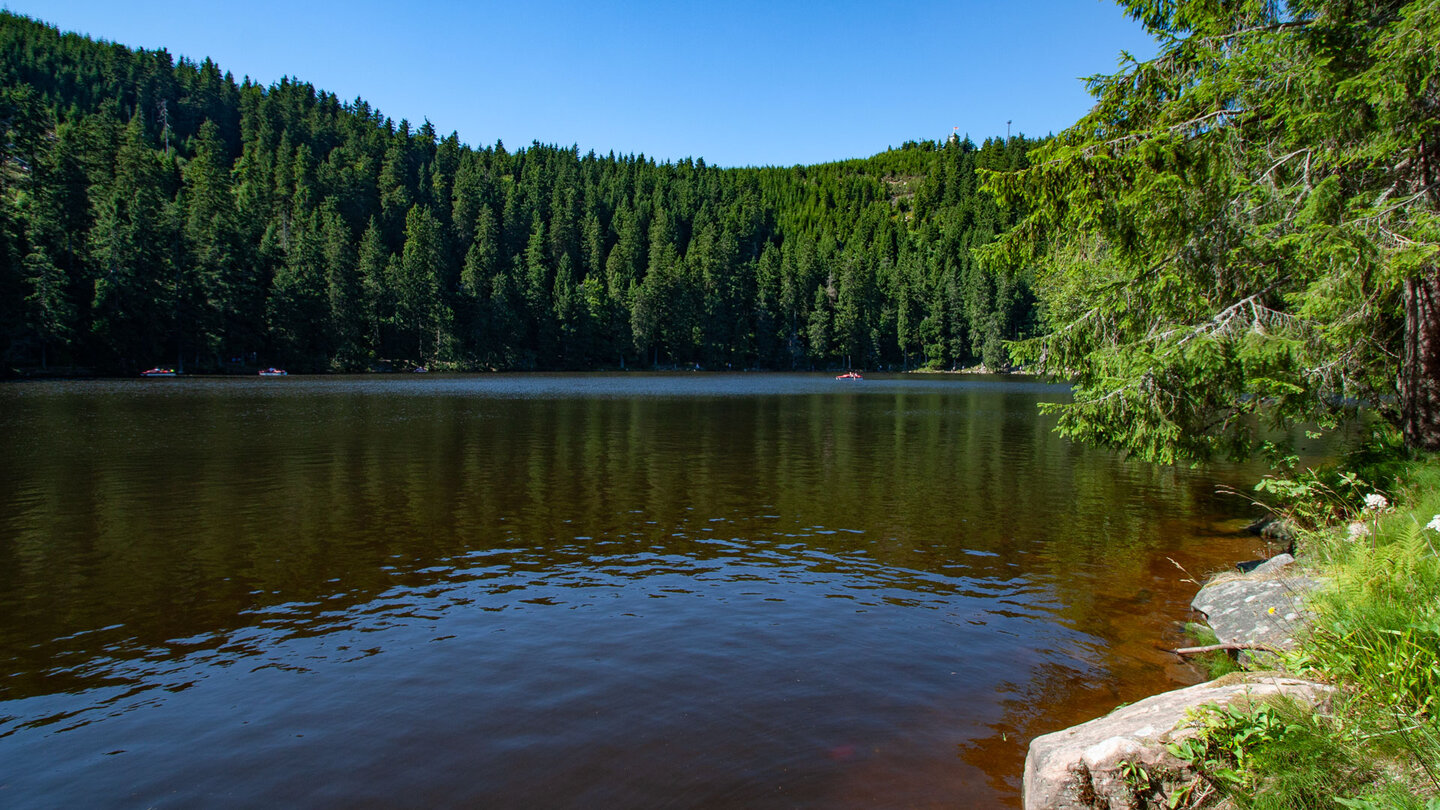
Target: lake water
637, 591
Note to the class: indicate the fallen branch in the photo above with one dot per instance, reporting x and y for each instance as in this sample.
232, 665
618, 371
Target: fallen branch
1234, 645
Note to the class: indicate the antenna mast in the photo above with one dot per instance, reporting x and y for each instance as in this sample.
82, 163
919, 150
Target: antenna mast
164, 106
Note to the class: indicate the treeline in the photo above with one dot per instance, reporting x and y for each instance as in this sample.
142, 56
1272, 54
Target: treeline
158, 212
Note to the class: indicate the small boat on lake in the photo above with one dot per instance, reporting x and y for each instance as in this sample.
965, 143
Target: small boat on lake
273, 372
849, 375
158, 372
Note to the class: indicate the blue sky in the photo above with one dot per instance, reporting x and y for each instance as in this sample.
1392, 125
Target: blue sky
740, 83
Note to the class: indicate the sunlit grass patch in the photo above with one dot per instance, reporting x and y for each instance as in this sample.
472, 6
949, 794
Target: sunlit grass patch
1374, 633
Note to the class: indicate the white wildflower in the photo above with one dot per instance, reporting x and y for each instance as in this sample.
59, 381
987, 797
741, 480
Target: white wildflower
1375, 502
1356, 530
1434, 523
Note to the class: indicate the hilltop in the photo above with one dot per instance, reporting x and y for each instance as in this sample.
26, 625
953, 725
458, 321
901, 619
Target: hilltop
157, 210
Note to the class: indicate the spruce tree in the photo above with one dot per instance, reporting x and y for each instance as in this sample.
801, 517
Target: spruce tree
1244, 226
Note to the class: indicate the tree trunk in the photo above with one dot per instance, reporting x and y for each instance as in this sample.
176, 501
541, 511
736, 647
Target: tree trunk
1420, 369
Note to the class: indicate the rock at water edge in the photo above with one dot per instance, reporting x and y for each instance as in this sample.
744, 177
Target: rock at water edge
1085, 766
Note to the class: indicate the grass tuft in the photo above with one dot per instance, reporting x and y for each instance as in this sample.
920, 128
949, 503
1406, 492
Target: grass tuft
1375, 634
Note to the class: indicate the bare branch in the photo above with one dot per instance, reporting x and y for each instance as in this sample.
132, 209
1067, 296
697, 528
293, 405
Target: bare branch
1286, 159
1231, 646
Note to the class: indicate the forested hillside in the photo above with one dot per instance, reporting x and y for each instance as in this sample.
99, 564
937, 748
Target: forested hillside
158, 211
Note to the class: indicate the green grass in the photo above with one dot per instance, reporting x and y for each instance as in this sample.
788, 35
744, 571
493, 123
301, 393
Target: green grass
1377, 628
1375, 636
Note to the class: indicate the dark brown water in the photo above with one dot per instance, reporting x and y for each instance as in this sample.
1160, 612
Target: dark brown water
743, 591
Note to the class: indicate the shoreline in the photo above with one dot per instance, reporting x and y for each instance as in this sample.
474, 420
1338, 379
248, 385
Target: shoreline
83, 373
1098, 762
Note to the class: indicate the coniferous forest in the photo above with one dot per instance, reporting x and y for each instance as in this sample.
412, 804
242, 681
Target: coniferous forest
158, 212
